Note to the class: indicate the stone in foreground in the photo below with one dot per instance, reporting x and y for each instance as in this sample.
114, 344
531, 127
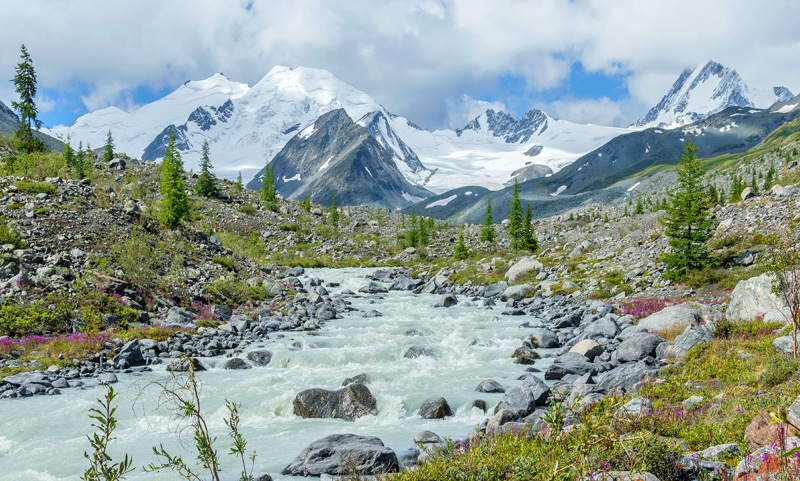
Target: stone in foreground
335, 454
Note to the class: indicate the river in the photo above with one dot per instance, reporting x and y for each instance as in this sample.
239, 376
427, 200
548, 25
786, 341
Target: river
43, 438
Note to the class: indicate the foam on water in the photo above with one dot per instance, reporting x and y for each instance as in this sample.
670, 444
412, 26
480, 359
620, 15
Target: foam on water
44, 437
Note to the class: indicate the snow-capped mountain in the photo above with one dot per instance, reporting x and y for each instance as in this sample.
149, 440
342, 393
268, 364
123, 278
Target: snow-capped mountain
707, 90
247, 126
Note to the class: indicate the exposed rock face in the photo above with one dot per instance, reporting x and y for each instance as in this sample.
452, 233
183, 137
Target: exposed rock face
753, 297
350, 402
332, 455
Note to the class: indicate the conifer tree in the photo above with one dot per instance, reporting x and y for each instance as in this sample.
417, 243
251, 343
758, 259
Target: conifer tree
238, 187
529, 241
423, 236
461, 251
487, 231
769, 178
69, 154
205, 186
174, 202
307, 203
25, 85
334, 213
639, 207
412, 234
605, 218
79, 163
108, 151
687, 222
268, 193
514, 227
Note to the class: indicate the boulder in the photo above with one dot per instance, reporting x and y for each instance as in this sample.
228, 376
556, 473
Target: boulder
604, 327
763, 462
625, 378
259, 358
236, 363
693, 335
183, 364
785, 345
428, 437
130, 353
27, 378
447, 300
713, 452
372, 313
544, 338
639, 406
523, 266
517, 293
519, 400
350, 402
373, 288
178, 317
335, 454
753, 297
494, 290
748, 193
762, 432
539, 389
490, 385
363, 378
558, 370
435, 408
678, 317
417, 351
588, 348
501, 417
638, 347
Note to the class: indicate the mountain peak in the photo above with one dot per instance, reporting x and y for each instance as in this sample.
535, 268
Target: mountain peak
702, 91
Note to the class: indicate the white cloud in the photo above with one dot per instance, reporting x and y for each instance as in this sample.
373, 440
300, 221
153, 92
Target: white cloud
467, 108
417, 57
602, 111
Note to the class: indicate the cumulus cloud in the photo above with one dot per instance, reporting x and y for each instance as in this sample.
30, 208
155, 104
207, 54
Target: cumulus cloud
602, 111
417, 57
467, 108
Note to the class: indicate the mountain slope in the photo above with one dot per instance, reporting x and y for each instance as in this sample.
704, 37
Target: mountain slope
9, 123
335, 155
706, 90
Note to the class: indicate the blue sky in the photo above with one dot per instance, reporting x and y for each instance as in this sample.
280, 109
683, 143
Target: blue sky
436, 62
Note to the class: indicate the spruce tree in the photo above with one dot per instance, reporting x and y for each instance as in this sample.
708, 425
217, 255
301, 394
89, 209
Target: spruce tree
268, 192
79, 162
423, 237
529, 241
514, 227
307, 203
238, 187
25, 85
461, 251
412, 234
334, 213
487, 231
687, 222
108, 152
69, 154
769, 178
639, 207
205, 185
174, 202
605, 218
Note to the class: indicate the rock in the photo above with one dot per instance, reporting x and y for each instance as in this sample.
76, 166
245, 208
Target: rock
236, 363
744, 259
638, 347
435, 408
626, 476
678, 317
373, 288
501, 417
523, 266
494, 290
724, 226
544, 338
558, 370
264, 477
785, 345
604, 327
372, 313
478, 403
333, 455
693, 335
130, 353
428, 437
350, 402
588, 348
761, 432
762, 462
625, 378
521, 401
107, 378
363, 378
517, 293
490, 385
183, 365
692, 401
316, 211
259, 358
747, 193
447, 300
793, 412
27, 378
639, 406
713, 452
239, 323
525, 356
753, 297
222, 312
417, 351
178, 317
404, 283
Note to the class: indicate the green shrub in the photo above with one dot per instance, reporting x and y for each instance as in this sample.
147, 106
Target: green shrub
41, 211
248, 209
10, 236
28, 187
224, 262
235, 292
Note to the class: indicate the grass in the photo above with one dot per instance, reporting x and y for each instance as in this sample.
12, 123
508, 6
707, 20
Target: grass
28, 187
